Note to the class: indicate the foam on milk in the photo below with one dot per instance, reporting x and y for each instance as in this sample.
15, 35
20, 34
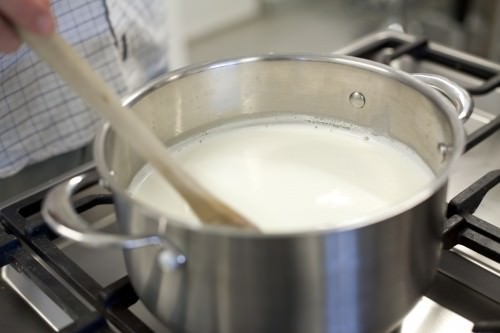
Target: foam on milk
291, 175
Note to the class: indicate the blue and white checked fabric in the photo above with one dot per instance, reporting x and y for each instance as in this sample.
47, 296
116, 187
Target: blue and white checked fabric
40, 117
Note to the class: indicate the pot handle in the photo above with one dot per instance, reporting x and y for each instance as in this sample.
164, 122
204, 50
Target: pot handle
60, 215
457, 95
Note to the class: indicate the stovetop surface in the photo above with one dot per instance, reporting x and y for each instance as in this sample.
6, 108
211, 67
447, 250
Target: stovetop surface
465, 295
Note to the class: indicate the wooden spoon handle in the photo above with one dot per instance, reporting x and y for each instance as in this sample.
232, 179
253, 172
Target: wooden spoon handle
79, 75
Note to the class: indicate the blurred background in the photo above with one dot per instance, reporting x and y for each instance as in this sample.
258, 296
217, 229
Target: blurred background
208, 30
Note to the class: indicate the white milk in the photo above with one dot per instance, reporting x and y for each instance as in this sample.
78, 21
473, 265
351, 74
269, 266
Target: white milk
291, 176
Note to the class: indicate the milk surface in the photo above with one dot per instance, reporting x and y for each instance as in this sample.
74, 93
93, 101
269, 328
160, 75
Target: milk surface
291, 176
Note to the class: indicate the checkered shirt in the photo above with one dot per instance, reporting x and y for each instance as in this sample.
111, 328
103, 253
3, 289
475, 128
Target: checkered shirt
40, 117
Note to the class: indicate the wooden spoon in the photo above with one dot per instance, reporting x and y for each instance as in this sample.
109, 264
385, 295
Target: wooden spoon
78, 74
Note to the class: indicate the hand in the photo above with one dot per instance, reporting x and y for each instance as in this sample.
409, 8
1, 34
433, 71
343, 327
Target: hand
32, 15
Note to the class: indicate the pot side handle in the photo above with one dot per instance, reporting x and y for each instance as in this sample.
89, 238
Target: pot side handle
457, 95
60, 215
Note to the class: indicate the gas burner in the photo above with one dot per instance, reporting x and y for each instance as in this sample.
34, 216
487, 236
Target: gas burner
74, 289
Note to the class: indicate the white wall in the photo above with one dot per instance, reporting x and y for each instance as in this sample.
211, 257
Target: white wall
202, 17
194, 19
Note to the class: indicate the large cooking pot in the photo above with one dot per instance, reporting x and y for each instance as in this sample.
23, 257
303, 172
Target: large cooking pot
360, 278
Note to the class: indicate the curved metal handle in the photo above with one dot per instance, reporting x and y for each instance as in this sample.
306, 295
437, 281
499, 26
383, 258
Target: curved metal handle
59, 213
457, 95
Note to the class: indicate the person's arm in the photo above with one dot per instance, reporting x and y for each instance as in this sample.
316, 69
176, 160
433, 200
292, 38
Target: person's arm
33, 15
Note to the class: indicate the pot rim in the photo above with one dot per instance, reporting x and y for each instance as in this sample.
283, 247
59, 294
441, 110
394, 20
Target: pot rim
405, 78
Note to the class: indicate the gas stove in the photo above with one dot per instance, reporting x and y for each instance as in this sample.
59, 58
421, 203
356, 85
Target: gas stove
49, 284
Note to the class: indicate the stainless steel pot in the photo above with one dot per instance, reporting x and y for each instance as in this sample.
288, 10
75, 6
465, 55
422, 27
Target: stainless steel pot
362, 278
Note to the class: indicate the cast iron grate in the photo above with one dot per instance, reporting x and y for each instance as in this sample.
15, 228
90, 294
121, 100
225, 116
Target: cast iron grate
391, 48
420, 50
23, 234
464, 228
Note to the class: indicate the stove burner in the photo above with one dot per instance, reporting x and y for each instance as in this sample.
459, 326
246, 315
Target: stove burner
30, 247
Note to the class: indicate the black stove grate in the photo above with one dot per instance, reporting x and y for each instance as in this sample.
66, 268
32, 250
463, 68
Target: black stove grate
25, 240
397, 47
464, 228
27, 244
391, 48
